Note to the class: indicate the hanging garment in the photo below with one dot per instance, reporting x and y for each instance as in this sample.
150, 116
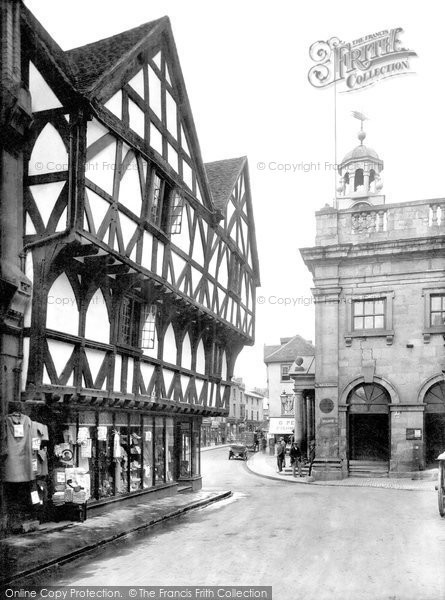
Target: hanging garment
18, 464
39, 435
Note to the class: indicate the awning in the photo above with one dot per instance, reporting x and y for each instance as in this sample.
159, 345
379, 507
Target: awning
281, 425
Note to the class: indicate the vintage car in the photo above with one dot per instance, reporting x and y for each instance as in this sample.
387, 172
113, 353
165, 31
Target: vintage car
238, 451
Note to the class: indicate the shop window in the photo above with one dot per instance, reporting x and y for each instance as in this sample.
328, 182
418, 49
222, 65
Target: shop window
105, 465
185, 462
129, 321
285, 372
437, 310
120, 453
159, 451
147, 452
169, 448
369, 314
148, 340
196, 443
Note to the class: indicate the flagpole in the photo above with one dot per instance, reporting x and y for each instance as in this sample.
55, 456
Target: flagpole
335, 142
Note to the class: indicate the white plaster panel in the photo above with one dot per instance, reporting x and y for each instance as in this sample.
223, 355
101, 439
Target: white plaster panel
97, 323
62, 312
42, 96
49, 154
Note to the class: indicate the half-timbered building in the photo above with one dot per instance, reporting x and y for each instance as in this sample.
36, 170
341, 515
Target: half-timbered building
139, 261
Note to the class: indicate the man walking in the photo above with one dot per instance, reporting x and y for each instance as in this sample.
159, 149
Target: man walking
295, 459
281, 454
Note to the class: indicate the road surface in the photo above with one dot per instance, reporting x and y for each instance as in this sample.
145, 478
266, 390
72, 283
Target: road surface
307, 542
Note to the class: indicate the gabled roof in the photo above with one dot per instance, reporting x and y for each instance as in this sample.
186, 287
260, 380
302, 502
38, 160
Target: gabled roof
90, 62
288, 352
222, 176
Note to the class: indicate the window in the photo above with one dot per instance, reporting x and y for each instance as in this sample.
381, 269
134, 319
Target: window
285, 372
369, 314
157, 200
149, 327
175, 214
166, 207
129, 321
437, 310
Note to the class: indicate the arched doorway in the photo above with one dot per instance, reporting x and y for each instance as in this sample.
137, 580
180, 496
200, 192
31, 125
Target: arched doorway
368, 423
434, 426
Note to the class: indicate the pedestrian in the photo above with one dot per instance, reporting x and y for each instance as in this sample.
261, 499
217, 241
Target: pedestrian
281, 453
295, 459
263, 444
311, 456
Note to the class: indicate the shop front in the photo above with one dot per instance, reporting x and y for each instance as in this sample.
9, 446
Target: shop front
63, 461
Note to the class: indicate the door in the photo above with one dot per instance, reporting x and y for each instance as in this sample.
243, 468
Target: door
368, 437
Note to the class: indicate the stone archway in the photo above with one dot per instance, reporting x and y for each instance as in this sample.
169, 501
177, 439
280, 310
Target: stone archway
434, 421
368, 423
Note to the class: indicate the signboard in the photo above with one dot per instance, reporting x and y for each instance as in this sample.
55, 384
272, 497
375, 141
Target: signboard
413, 434
281, 425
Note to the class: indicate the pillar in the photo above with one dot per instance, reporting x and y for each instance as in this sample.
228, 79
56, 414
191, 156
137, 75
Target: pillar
310, 422
298, 411
305, 443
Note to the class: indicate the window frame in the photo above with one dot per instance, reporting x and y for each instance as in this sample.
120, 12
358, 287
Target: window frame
364, 314
288, 378
146, 310
429, 329
387, 331
134, 324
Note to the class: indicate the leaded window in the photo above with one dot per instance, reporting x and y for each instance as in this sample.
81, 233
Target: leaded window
148, 339
175, 214
129, 321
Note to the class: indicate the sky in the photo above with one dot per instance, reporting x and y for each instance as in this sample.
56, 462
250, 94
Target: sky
246, 66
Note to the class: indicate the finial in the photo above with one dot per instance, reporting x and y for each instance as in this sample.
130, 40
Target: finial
361, 117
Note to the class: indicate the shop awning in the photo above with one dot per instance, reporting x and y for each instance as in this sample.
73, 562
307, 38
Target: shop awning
281, 425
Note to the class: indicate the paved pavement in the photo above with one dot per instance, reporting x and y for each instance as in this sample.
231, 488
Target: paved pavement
28, 554
265, 465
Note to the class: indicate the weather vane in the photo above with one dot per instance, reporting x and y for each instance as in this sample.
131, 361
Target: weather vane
360, 116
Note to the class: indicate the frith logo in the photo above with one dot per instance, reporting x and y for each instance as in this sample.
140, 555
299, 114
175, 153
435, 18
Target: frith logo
360, 63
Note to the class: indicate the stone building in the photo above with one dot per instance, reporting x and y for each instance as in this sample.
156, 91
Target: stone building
128, 266
379, 291
290, 379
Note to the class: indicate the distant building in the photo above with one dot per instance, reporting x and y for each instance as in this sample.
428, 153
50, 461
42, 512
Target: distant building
379, 292
284, 394
254, 411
